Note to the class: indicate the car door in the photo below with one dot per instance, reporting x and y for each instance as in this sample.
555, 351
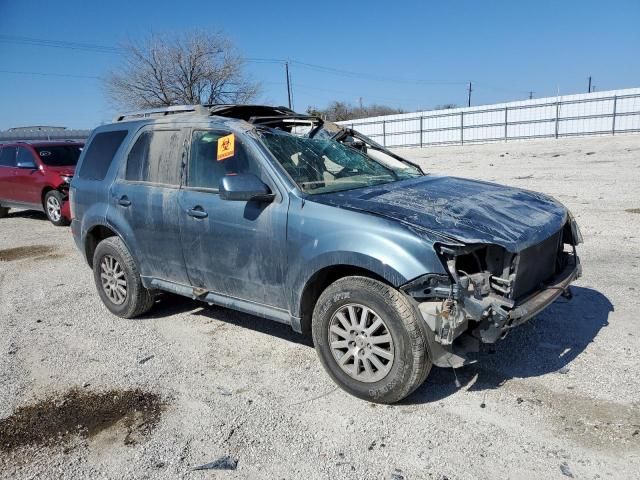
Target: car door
27, 179
233, 248
144, 198
7, 172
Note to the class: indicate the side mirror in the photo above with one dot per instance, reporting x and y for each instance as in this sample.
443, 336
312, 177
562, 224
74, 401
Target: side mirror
244, 187
30, 165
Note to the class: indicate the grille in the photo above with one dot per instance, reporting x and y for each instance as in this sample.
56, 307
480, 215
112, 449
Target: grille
536, 265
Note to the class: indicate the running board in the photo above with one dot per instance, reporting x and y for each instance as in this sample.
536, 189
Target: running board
266, 311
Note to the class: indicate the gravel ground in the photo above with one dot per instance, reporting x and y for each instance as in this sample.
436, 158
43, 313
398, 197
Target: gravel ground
558, 398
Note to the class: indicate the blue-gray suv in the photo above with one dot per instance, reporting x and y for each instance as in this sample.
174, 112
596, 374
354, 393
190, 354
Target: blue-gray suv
301, 221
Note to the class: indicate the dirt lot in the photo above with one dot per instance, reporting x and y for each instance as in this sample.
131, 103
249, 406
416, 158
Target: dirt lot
84, 394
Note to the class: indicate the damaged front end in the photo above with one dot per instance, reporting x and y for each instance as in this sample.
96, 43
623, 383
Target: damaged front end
490, 290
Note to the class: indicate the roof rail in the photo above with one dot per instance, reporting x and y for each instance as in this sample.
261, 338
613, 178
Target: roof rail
163, 111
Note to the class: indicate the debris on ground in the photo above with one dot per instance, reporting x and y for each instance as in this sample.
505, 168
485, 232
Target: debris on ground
396, 475
146, 359
566, 471
223, 463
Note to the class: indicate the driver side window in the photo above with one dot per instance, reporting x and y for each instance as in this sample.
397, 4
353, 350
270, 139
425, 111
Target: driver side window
215, 154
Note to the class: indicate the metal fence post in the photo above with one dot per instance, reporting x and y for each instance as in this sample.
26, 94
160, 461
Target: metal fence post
557, 116
420, 132
384, 133
613, 122
461, 128
506, 133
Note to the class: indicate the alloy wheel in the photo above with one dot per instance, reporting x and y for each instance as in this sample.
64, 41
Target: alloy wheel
361, 343
113, 279
54, 209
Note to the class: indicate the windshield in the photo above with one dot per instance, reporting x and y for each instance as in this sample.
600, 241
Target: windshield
321, 165
59, 155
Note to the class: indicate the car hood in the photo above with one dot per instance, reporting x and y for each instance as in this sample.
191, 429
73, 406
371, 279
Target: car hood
468, 211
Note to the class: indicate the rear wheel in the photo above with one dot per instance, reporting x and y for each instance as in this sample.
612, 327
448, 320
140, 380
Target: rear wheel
53, 201
3, 211
118, 281
368, 337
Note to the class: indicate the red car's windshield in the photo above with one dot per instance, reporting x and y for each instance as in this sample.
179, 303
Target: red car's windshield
59, 155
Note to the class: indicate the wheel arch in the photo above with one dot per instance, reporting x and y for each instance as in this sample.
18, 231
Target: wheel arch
320, 280
94, 236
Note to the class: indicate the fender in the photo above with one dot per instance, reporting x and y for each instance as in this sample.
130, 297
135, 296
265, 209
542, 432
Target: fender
318, 238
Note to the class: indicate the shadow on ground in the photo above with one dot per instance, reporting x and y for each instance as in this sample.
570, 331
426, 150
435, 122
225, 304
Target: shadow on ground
544, 345
170, 304
30, 214
541, 346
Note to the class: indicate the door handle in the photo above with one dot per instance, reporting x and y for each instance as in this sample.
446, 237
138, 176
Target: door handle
197, 212
124, 201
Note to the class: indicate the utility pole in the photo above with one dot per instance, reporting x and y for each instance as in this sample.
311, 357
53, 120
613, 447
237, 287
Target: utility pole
286, 69
360, 102
469, 96
530, 95
589, 90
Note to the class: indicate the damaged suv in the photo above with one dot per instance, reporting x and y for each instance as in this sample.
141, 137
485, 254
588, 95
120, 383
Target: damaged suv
298, 220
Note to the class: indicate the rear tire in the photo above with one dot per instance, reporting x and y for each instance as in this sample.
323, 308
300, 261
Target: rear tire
53, 201
3, 211
386, 334
118, 281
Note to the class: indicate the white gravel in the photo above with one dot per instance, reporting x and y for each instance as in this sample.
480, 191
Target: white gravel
558, 398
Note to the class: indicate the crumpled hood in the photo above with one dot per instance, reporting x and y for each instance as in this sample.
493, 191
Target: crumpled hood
470, 211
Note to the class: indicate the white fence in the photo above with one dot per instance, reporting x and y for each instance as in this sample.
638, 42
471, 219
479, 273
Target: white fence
598, 113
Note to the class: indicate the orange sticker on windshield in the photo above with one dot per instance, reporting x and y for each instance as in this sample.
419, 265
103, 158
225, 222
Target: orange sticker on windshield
226, 146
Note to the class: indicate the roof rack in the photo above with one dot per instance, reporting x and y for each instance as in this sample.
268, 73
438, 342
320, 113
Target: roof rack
162, 112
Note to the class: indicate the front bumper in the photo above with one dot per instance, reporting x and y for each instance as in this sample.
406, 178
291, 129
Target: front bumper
460, 327
545, 297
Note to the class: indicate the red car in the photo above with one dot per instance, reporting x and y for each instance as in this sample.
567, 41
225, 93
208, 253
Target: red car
36, 176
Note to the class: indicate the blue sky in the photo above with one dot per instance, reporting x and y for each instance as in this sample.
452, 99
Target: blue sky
410, 54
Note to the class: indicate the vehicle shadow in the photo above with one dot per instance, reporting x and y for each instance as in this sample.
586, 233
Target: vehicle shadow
169, 304
545, 344
541, 346
31, 214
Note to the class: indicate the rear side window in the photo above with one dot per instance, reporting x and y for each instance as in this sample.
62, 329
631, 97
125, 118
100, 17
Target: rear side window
59, 155
156, 158
25, 157
100, 154
8, 157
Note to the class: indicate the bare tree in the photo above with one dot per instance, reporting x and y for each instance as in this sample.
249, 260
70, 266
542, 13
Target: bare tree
196, 68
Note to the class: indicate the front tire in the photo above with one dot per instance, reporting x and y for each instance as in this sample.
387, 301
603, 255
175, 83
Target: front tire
369, 340
3, 211
53, 201
118, 281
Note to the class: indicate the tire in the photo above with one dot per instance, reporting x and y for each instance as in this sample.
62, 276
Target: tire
3, 211
409, 347
112, 258
52, 204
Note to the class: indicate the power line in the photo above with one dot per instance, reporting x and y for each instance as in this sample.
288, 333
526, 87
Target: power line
98, 48
41, 42
50, 74
360, 75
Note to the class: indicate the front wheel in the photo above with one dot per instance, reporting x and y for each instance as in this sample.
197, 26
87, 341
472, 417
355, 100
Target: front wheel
3, 211
118, 281
53, 201
369, 339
